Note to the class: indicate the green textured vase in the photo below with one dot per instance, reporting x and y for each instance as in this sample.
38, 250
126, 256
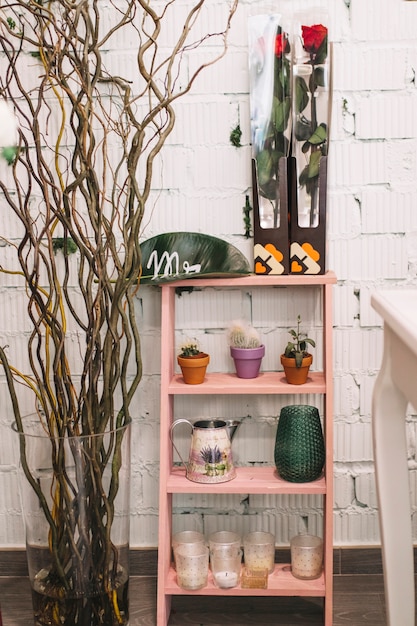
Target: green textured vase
299, 445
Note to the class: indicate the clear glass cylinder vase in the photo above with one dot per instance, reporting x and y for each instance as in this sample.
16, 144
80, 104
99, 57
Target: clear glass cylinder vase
75, 492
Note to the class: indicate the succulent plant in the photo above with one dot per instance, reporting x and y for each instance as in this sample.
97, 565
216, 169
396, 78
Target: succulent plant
297, 349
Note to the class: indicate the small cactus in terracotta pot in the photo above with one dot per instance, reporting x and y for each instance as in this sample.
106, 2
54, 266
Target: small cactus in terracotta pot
193, 363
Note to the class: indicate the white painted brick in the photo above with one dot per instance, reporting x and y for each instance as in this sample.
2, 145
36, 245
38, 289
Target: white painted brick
291, 503
357, 350
340, 118
344, 489
376, 20
346, 396
12, 533
402, 163
386, 117
223, 167
144, 530
362, 67
356, 526
388, 211
151, 354
10, 226
344, 219
368, 315
229, 75
346, 306
208, 211
150, 491
205, 122
354, 163
146, 438
138, 503
211, 308
187, 521
365, 489
353, 442
373, 257
9, 485
209, 502
367, 383
283, 525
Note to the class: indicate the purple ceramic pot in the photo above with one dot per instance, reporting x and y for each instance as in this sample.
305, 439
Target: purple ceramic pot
247, 361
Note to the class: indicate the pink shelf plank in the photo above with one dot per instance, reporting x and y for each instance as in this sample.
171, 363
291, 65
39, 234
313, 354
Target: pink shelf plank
261, 480
265, 383
253, 280
280, 583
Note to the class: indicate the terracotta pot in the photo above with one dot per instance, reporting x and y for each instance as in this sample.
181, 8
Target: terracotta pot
247, 361
193, 368
296, 375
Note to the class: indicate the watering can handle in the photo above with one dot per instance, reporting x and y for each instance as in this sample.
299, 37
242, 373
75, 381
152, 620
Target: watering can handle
171, 435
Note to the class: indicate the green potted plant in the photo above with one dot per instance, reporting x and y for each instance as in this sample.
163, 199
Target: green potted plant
296, 359
246, 349
193, 363
90, 132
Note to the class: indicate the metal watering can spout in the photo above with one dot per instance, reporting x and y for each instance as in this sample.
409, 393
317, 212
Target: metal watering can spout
232, 426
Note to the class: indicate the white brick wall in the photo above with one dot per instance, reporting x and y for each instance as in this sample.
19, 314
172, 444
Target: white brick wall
200, 184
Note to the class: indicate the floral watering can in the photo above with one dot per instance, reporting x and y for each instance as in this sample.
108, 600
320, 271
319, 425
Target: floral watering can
210, 458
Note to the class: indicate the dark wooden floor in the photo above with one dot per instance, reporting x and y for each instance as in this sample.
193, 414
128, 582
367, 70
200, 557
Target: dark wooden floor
358, 601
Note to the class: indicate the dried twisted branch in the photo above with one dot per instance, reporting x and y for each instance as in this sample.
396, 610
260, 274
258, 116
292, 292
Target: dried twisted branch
88, 141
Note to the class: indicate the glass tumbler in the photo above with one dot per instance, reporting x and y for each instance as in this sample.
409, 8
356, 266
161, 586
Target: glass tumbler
306, 556
192, 566
225, 566
259, 551
226, 540
188, 539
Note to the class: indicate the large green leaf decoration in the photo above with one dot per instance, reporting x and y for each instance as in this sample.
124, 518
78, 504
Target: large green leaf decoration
175, 256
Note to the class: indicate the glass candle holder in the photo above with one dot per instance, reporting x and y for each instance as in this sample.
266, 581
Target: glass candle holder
259, 551
188, 539
192, 566
225, 566
226, 540
306, 556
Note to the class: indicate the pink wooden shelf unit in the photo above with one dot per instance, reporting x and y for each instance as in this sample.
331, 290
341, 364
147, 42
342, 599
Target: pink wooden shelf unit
249, 480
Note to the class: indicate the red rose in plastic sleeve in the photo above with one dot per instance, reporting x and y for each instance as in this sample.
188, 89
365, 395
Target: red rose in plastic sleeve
270, 104
311, 112
281, 45
313, 37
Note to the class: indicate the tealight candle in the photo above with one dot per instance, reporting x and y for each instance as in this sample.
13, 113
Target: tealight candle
225, 565
224, 580
306, 556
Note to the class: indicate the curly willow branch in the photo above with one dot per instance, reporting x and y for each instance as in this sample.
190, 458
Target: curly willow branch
88, 140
